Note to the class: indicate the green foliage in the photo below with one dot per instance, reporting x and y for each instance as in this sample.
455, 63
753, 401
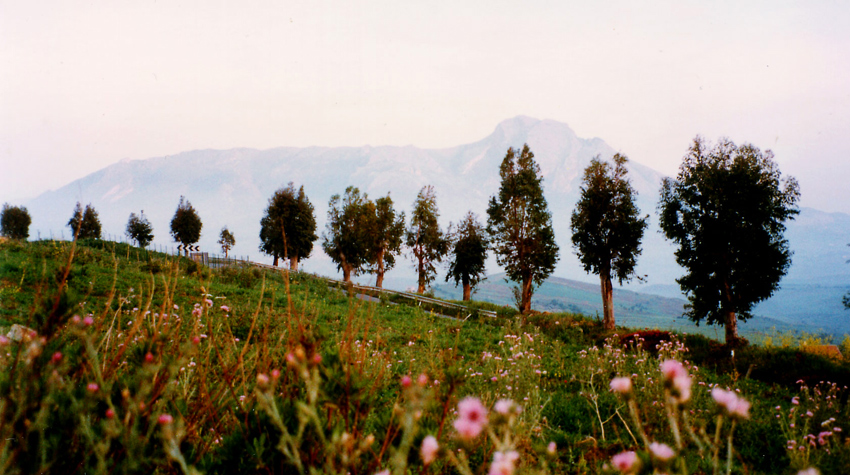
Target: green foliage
186, 224
15, 222
362, 235
726, 211
606, 227
226, 240
520, 225
288, 228
343, 239
139, 229
469, 253
424, 238
85, 224
231, 350
383, 235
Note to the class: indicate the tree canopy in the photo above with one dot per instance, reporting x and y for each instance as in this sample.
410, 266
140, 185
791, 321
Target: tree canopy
226, 240
85, 224
520, 225
383, 234
424, 238
15, 222
607, 229
139, 229
469, 254
726, 210
186, 224
343, 238
288, 229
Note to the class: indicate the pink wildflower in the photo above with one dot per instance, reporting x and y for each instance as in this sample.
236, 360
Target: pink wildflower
422, 380
809, 471
165, 419
225, 308
662, 452
503, 463
472, 417
626, 462
552, 448
57, 357
405, 381
92, 387
672, 369
88, 321
262, 380
110, 413
734, 405
621, 385
429, 449
503, 406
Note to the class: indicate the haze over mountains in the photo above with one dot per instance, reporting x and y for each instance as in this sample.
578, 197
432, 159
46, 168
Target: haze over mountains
232, 187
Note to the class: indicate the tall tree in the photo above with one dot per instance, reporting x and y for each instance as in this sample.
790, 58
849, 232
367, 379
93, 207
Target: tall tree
226, 240
384, 233
288, 228
606, 227
186, 224
424, 238
15, 222
520, 225
85, 224
343, 239
469, 254
139, 229
726, 210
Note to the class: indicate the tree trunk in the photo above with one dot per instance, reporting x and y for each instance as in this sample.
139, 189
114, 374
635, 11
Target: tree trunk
346, 272
731, 318
467, 289
379, 281
607, 300
293, 264
275, 260
525, 299
731, 328
421, 289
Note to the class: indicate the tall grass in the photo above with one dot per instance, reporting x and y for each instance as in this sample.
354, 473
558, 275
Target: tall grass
129, 362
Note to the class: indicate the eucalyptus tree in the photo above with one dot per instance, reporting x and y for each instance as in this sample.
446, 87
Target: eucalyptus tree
607, 229
139, 229
468, 254
15, 222
85, 224
520, 225
343, 239
424, 238
226, 240
726, 210
186, 224
288, 228
383, 235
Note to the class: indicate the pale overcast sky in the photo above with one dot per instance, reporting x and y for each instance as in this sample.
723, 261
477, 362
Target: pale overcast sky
86, 84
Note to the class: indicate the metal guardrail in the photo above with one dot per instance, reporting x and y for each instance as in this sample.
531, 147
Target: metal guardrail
419, 299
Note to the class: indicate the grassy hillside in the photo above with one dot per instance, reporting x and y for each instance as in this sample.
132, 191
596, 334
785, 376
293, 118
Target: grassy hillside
143, 363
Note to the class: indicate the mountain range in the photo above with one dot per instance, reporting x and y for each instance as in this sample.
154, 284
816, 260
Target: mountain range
232, 187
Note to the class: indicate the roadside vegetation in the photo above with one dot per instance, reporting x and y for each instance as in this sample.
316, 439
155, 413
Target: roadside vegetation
121, 360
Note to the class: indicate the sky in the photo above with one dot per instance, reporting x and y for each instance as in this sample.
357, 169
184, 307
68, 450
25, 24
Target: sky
87, 84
